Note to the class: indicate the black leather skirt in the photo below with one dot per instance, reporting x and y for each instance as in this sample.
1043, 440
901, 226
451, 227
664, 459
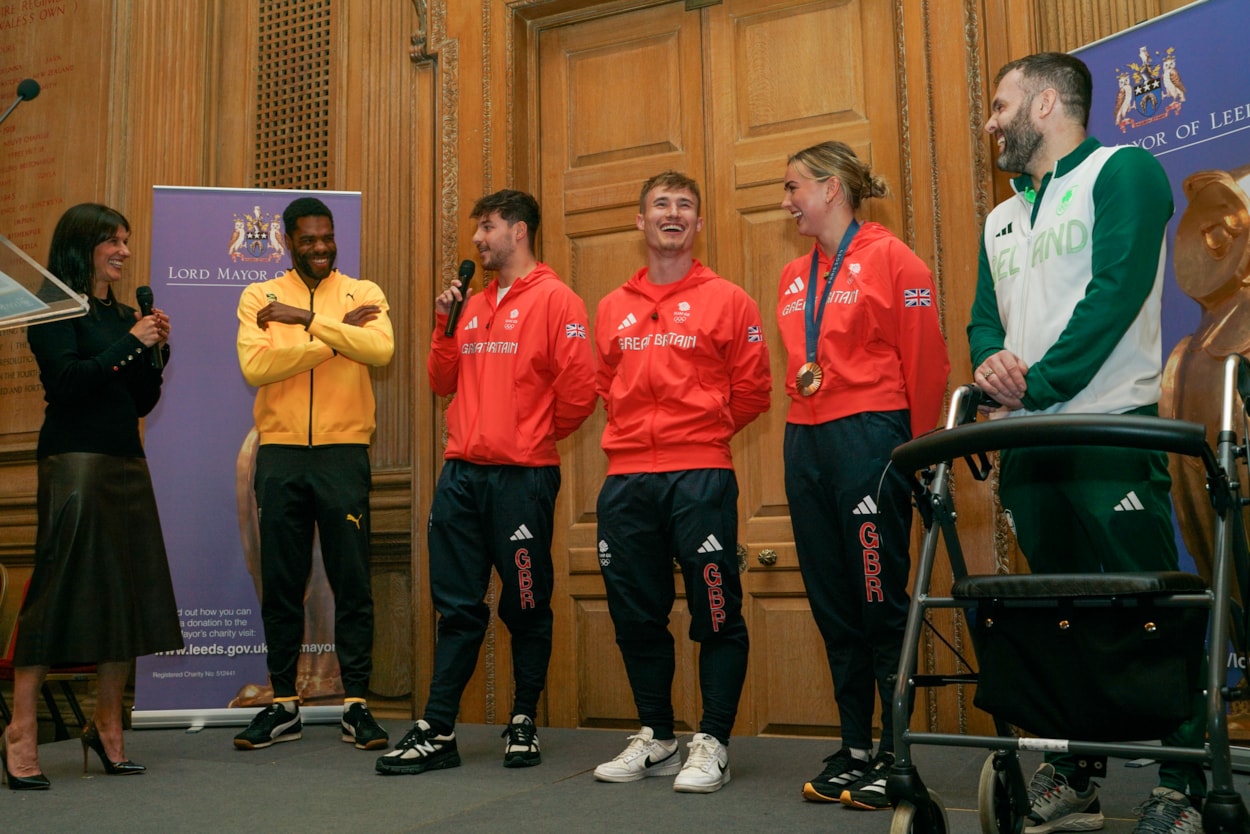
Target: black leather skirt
101, 589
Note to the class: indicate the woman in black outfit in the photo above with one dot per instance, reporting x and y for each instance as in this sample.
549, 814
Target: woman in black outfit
100, 591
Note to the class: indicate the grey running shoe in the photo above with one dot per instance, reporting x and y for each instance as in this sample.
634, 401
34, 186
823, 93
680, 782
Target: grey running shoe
1056, 806
1167, 812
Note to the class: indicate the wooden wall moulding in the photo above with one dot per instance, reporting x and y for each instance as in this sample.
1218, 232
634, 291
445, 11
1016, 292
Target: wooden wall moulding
420, 53
904, 121
978, 95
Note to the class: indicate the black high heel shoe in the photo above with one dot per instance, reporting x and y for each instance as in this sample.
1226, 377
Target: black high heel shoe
38, 782
91, 740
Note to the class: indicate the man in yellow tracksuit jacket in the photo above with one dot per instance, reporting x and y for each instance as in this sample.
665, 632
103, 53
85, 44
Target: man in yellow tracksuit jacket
306, 341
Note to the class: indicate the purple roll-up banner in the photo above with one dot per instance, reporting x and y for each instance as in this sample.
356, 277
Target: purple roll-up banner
207, 245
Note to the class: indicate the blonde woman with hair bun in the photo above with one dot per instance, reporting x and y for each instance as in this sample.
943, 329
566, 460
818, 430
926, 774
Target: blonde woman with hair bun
866, 370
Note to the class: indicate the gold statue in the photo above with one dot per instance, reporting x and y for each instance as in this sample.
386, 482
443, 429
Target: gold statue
1212, 265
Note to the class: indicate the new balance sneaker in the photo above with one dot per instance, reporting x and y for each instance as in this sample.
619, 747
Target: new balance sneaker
270, 726
842, 770
868, 792
1167, 812
521, 749
420, 750
1057, 806
644, 756
360, 729
707, 766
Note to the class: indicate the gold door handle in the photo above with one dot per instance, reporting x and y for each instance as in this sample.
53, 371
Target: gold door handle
767, 557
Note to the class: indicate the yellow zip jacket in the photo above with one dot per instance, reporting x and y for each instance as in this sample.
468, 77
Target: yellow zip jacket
313, 385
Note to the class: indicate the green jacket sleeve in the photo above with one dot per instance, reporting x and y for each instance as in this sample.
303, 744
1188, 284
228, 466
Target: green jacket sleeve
985, 328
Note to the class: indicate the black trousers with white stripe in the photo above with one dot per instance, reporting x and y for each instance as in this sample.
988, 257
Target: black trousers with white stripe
648, 521
484, 517
851, 514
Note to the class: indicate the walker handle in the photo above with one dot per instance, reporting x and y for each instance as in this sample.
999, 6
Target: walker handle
1123, 430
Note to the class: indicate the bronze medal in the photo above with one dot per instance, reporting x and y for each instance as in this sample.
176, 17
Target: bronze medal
808, 379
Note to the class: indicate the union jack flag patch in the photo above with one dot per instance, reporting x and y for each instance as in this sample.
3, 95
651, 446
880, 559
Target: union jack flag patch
917, 298
575, 331
754, 334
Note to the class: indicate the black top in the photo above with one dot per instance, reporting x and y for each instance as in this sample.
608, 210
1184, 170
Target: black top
98, 380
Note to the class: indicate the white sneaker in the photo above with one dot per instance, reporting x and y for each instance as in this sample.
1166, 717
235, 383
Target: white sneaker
707, 766
644, 756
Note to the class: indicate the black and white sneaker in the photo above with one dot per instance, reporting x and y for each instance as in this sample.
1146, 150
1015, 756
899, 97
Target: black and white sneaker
841, 771
360, 729
868, 794
270, 726
521, 749
421, 749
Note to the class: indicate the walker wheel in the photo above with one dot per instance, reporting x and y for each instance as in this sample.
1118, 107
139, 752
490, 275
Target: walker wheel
994, 802
906, 820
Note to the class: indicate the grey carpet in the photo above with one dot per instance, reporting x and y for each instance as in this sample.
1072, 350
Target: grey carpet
197, 782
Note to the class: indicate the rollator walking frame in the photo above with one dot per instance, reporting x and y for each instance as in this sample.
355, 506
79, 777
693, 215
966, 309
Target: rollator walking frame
1003, 791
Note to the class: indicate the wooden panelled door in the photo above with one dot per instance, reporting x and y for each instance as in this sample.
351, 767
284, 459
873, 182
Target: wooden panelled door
725, 93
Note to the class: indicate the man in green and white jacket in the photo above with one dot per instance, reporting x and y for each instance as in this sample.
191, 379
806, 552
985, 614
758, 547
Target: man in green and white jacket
1066, 319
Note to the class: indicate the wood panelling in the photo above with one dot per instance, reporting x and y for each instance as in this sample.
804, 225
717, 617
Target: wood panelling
54, 151
1062, 27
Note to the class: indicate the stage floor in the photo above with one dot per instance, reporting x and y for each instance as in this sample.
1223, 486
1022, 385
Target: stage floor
197, 782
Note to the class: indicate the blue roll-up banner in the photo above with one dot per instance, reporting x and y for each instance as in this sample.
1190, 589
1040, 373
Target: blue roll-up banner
1177, 87
207, 245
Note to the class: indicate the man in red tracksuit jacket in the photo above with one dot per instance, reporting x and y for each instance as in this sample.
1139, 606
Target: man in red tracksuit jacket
682, 367
521, 367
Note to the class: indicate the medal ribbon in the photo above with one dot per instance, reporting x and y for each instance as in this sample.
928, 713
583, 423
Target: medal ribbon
813, 317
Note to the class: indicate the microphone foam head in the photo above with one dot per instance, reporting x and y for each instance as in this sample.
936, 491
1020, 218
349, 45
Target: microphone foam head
27, 89
467, 268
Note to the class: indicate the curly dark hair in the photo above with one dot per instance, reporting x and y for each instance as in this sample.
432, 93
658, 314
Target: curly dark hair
304, 207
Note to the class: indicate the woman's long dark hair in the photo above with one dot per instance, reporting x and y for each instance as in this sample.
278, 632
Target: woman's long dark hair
80, 230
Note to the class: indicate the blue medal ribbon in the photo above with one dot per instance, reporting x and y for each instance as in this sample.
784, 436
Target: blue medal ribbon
813, 315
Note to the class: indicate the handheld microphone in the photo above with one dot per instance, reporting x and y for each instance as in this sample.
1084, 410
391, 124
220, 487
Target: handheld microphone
143, 295
27, 89
467, 268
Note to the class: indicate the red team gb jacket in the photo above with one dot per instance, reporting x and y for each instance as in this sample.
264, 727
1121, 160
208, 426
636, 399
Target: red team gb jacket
681, 368
522, 371
880, 345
